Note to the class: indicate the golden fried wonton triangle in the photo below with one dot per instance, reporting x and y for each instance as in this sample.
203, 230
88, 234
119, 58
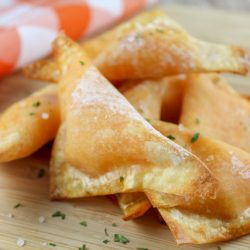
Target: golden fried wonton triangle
106, 147
29, 124
212, 107
223, 218
152, 45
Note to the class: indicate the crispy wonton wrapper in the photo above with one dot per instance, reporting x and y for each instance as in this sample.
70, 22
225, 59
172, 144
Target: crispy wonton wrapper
151, 99
29, 124
151, 45
223, 218
212, 107
146, 98
105, 147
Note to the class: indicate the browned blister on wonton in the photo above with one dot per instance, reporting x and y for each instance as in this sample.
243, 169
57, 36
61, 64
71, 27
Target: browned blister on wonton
107, 145
29, 124
212, 107
210, 220
152, 45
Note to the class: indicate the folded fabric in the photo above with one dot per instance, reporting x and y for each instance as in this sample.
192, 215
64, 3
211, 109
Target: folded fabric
27, 28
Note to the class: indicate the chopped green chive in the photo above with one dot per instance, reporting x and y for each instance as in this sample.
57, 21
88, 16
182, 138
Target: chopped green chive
52, 244
148, 120
171, 137
197, 121
105, 241
106, 231
160, 30
83, 247
121, 178
36, 104
18, 205
141, 248
120, 238
114, 225
83, 223
195, 137
82, 63
138, 36
41, 173
140, 110
31, 113
219, 248
59, 214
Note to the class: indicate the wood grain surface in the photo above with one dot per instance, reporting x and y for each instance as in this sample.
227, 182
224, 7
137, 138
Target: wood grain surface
19, 182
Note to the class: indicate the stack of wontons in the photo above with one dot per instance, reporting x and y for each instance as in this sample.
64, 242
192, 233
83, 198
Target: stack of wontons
141, 113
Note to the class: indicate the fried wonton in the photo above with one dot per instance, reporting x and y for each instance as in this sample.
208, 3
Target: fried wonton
146, 98
152, 45
29, 124
212, 107
223, 218
151, 99
172, 98
106, 147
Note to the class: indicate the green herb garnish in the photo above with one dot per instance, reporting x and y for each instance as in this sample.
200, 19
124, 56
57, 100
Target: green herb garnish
140, 110
31, 113
114, 225
106, 231
171, 137
141, 248
160, 30
18, 205
195, 137
36, 104
82, 63
41, 173
120, 238
197, 121
219, 248
121, 178
147, 119
105, 241
83, 247
52, 244
137, 36
83, 223
59, 214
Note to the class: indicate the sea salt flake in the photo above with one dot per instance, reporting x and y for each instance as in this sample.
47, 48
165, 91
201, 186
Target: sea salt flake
10, 215
41, 219
45, 116
20, 242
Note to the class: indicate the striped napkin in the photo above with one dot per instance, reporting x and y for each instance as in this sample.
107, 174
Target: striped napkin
28, 27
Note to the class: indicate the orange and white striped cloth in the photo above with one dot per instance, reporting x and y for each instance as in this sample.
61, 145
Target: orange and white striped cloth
27, 27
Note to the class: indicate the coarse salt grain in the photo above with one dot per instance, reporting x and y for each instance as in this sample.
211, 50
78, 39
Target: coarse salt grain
210, 158
20, 242
41, 219
10, 215
181, 127
45, 116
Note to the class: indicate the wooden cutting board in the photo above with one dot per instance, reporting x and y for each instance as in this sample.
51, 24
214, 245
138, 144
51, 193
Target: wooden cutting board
19, 182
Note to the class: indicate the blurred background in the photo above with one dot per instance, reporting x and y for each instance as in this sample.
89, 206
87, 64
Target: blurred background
240, 5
